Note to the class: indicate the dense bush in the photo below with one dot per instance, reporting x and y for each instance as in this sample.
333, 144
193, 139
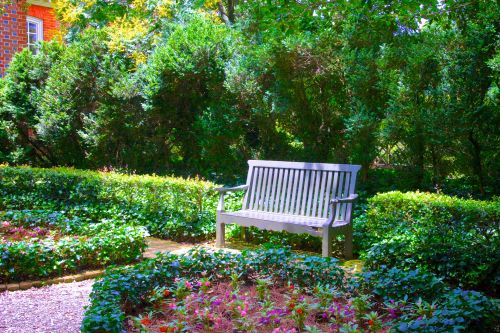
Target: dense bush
81, 246
457, 239
177, 208
199, 87
124, 290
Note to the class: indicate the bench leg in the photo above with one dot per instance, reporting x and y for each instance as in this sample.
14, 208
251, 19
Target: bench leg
348, 243
327, 242
220, 234
244, 234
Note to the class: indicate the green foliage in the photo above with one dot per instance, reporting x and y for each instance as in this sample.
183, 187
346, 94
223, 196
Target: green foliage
126, 288
192, 123
435, 307
123, 290
19, 100
199, 87
394, 283
456, 239
175, 208
82, 246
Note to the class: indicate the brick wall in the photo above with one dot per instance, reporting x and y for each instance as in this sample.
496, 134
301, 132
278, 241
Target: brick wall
13, 36
50, 25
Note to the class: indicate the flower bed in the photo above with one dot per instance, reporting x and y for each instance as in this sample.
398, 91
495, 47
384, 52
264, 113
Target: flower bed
11, 233
277, 291
38, 244
266, 306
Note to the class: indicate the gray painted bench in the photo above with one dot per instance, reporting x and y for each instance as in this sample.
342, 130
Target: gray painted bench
312, 198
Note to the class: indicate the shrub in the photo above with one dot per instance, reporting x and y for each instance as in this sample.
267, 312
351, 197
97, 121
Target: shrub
456, 239
20, 92
394, 283
81, 246
182, 209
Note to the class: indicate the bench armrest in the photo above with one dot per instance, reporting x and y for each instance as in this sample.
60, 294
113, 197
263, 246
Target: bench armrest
334, 206
349, 199
231, 189
223, 190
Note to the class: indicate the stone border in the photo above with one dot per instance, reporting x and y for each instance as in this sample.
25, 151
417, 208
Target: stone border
85, 275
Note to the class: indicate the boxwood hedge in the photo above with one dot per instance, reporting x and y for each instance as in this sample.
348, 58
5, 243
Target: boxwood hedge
457, 239
170, 207
83, 246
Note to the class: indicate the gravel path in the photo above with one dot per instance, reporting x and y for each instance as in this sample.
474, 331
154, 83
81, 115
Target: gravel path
52, 309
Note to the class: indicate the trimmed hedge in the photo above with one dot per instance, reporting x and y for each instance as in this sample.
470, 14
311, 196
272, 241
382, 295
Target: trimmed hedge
176, 208
457, 239
82, 246
124, 290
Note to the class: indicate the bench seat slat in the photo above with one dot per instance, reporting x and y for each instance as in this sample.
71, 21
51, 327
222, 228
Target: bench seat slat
279, 217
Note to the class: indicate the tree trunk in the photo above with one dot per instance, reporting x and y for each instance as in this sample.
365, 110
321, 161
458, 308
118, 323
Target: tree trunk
477, 166
435, 170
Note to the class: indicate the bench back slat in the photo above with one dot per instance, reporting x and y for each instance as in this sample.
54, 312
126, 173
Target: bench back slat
299, 188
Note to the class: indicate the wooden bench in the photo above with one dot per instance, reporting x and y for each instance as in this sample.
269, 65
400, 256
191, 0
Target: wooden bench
313, 198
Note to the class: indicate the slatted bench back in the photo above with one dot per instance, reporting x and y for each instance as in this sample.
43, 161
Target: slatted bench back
298, 188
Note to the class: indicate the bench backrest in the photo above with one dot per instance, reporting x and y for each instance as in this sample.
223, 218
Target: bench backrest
299, 188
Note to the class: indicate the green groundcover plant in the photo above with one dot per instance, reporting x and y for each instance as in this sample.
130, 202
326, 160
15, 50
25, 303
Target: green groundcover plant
401, 301
51, 244
457, 239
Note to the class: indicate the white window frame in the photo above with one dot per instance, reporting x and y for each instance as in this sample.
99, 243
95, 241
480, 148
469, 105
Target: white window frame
39, 28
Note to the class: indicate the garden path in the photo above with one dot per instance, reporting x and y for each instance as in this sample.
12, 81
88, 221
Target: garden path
156, 245
56, 308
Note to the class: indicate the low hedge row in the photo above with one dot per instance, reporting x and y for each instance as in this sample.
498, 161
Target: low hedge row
457, 239
176, 208
82, 246
123, 290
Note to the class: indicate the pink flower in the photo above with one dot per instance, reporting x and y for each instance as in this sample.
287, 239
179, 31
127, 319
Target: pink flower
243, 313
5, 224
188, 285
172, 306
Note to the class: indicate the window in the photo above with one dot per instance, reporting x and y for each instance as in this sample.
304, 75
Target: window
35, 33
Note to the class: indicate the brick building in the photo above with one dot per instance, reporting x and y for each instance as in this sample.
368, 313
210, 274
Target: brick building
22, 24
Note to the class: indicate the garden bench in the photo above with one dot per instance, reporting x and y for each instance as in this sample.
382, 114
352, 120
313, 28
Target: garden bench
312, 198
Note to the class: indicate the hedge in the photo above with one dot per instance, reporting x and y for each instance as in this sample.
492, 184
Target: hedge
122, 291
457, 239
82, 246
175, 208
